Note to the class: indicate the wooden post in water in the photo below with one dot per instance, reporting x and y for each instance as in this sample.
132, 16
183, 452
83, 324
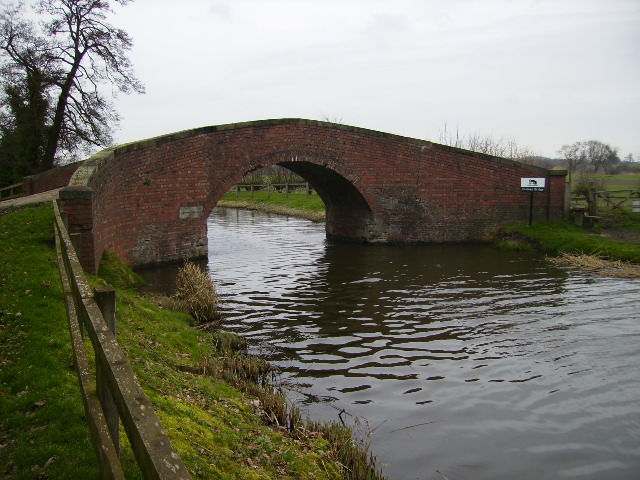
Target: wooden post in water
105, 298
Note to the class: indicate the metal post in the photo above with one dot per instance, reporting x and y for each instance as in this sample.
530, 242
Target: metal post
531, 208
105, 298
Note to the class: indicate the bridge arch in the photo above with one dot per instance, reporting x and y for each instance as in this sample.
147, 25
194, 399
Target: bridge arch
149, 201
348, 214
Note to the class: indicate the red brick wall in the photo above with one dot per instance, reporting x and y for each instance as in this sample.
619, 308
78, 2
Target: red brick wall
51, 179
77, 204
151, 199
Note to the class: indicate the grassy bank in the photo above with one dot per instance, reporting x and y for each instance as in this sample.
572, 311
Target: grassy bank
554, 238
296, 204
205, 390
613, 249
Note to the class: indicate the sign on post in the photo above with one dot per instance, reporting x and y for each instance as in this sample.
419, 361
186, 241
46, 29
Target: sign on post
532, 185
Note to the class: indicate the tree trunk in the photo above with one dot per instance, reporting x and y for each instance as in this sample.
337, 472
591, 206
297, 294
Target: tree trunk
53, 139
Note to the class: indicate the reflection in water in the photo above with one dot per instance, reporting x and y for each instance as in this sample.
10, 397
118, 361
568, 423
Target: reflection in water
472, 362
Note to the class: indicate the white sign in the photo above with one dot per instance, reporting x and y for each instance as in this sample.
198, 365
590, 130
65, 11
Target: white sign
532, 184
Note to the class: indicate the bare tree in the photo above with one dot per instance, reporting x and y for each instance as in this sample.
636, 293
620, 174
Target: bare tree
75, 50
592, 152
575, 157
498, 147
600, 155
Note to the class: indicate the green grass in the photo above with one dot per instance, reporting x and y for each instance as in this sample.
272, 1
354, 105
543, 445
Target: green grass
613, 178
43, 431
554, 238
296, 200
215, 427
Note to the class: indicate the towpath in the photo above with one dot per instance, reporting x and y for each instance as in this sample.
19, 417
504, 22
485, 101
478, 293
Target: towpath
17, 203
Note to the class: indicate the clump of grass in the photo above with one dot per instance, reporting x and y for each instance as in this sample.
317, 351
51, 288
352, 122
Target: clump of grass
197, 293
597, 264
353, 454
254, 376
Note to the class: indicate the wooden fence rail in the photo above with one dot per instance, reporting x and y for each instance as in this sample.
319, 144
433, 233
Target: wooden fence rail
11, 191
113, 395
625, 201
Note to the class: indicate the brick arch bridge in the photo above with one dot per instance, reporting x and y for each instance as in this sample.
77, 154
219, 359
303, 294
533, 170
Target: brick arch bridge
148, 201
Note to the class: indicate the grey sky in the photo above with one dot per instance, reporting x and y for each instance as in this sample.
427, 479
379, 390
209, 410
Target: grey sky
542, 73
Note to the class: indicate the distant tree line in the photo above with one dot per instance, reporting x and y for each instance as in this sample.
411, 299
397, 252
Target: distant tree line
591, 156
54, 57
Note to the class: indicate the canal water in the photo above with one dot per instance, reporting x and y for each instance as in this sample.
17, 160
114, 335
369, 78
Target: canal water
457, 362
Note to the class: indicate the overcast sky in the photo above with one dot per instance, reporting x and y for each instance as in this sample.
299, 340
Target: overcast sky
542, 73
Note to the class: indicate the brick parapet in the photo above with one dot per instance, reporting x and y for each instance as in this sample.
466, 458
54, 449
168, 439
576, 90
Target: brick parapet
50, 180
77, 204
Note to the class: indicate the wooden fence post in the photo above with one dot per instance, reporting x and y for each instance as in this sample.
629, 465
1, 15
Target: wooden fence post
593, 200
105, 298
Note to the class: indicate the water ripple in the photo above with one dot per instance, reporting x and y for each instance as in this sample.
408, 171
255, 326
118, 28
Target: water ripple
477, 363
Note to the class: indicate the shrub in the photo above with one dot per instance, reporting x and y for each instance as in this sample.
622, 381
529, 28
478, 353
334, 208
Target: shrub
196, 291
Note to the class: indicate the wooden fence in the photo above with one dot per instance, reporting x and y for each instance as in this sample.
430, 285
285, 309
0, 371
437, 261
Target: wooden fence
273, 187
11, 191
624, 201
113, 395
597, 203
